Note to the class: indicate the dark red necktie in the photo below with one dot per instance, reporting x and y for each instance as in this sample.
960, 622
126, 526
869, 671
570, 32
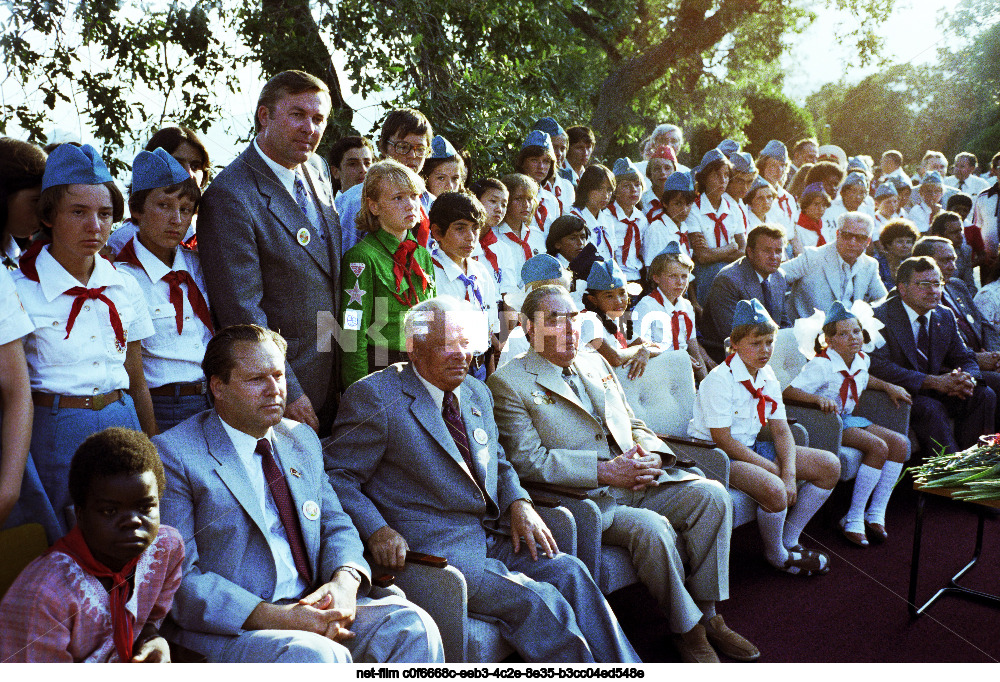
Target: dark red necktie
488, 240
405, 266
762, 400
655, 210
785, 206
813, 225
557, 193
83, 295
631, 233
282, 496
849, 386
456, 427
541, 213
174, 279
422, 232
523, 242
675, 323
721, 233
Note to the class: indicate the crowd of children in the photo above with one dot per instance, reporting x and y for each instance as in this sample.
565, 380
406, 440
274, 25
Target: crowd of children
104, 328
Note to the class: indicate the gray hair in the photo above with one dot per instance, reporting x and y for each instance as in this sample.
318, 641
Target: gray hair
856, 216
533, 301
659, 130
419, 320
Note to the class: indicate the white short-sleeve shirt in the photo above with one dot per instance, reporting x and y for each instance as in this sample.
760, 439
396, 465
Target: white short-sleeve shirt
703, 219
602, 230
654, 320
169, 357
631, 262
506, 273
823, 376
89, 361
446, 279
722, 401
14, 321
546, 211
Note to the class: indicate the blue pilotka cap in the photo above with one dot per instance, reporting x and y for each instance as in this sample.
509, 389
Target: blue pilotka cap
749, 312
624, 166
605, 275
742, 163
729, 147
157, 168
776, 149
931, 178
679, 181
759, 182
838, 312
671, 249
539, 268
550, 126
72, 165
886, 189
538, 138
855, 178
711, 156
442, 148
856, 163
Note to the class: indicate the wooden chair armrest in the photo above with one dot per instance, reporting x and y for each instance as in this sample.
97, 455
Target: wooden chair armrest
425, 559
573, 493
384, 580
181, 654
685, 440
543, 501
800, 403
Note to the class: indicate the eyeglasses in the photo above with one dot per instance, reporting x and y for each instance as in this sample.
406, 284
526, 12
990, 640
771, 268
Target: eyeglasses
928, 285
404, 148
851, 236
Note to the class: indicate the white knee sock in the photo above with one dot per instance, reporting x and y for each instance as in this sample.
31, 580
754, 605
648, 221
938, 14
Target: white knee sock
810, 499
864, 484
880, 498
771, 525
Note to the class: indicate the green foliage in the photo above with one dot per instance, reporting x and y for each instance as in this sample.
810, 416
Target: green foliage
775, 117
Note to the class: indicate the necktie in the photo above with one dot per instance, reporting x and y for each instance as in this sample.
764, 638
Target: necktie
631, 234
568, 375
721, 233
848, 279
487, 241
541, 214
765, 295
305, 202
848, 387
470, 283
456, 427
785, 204
122, 621
923, 343
282, 496
813, 225
557, 193
523, 242
422, 232
174, 279
675, 323
405, 266
84, 294
762, 400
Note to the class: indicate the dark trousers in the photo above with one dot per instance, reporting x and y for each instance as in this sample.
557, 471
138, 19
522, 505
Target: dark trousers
973, 417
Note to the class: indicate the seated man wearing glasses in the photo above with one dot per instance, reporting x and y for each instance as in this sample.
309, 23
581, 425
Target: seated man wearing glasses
405, 137
924, 353
840, 271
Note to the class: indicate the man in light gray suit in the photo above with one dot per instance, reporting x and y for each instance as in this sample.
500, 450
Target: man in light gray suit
269, 238
273, 570
756, 275
840, 271
415, 458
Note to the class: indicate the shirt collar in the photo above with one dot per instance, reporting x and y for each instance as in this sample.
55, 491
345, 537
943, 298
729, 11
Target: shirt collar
911, 313
244, 443
55, 280
667, 305
741, 373
285, 176
437, 395
154, 267
450, 267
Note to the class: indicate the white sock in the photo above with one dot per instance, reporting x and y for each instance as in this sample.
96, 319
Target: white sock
880, 498
864, 484
809, 500
771, 525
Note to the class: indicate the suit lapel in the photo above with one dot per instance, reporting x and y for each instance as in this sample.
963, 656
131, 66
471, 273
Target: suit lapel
548, 377
284, 209
831, 268
232, 472
287, 453
327, 211
482, 460
906, 341
594, 385
939, 345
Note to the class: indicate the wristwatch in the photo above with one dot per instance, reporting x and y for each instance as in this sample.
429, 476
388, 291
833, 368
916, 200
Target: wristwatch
355, 573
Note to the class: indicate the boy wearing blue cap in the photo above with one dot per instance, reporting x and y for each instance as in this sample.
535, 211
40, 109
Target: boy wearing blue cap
851, 198
162, 203
773, 165
456, 218
84, 355
537, 160
833, 379
561, 185
608, 299
931, 190
444, 170
670, 224
733, 404
716, 221
665, 316
886, 205
630, 223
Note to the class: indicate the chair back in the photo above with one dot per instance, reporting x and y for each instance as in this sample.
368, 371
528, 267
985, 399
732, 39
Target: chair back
787, 360
663, 397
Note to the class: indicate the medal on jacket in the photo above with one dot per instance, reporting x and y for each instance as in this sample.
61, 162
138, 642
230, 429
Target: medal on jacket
480, 436
310, 510
303, 236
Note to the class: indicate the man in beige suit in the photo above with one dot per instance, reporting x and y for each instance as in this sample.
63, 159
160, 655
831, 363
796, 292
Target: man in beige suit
564, 419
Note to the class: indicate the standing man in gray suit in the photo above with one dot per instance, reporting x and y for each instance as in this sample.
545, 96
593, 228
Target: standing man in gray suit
415, 457
273, 570
840, 271
269, 238
756, 275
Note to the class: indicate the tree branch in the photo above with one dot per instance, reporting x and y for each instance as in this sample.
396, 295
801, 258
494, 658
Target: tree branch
582, 20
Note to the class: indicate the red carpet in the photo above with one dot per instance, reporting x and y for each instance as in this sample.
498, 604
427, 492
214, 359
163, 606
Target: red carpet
857, 613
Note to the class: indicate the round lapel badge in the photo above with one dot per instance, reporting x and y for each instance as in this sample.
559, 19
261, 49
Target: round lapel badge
303, 236
311, 510
480, 436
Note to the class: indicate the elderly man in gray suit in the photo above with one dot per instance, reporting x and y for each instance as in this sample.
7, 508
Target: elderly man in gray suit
840, 271
270, 238
273, 568
415, 457
756, 275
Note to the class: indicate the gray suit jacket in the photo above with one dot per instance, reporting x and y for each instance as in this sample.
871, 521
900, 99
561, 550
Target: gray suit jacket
736, 282
986, 335
258, 271
393, 462
815, 279
229, 568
